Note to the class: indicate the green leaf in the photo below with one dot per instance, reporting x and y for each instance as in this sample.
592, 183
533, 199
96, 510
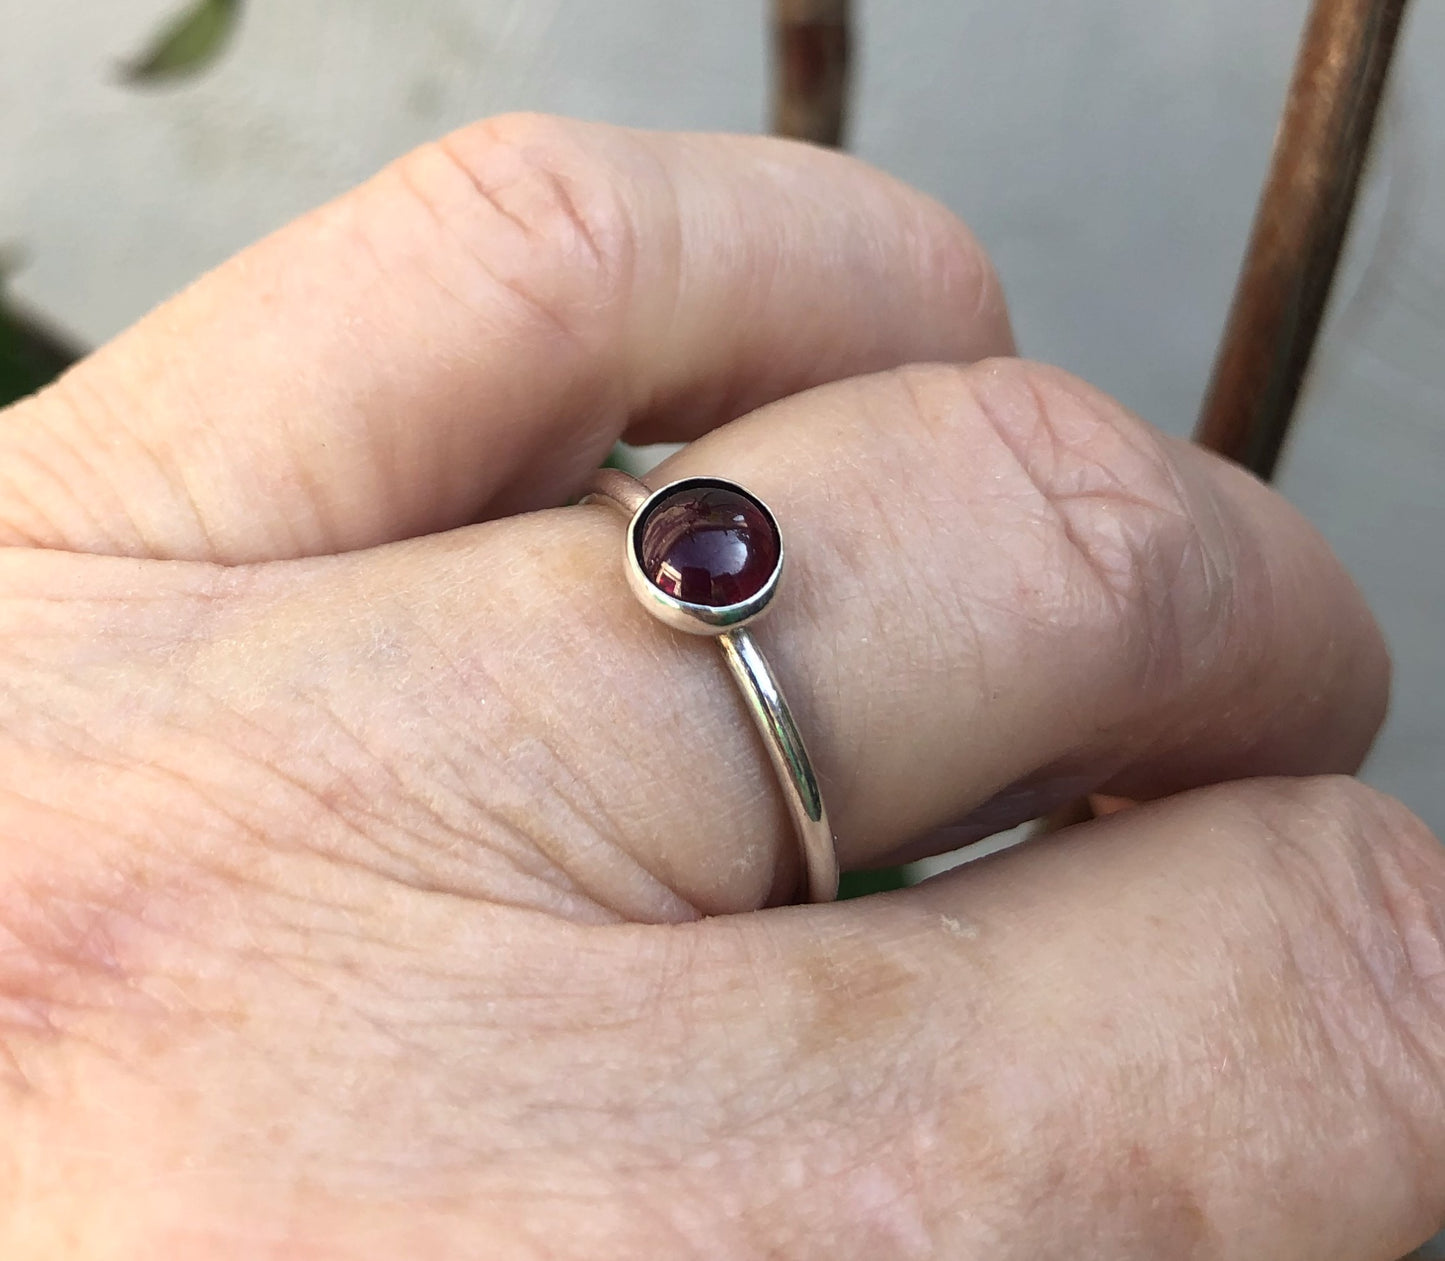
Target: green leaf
187, 44
859, 884
30, 356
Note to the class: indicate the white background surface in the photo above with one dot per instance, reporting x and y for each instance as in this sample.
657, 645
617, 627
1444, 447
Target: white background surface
1109, 153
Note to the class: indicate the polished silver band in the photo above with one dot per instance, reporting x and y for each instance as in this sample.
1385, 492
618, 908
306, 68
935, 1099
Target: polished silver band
754, 678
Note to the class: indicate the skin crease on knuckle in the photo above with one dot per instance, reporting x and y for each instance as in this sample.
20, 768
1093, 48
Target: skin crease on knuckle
1095, 538
1153, 552
1119, 531
1367, 935
1363, 930
547, 223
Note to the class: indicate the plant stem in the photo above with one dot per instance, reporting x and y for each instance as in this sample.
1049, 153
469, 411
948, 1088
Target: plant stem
1299, 229
810, 69
31, 354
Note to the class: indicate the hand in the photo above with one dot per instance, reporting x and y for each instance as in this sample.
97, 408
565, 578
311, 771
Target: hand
357, 827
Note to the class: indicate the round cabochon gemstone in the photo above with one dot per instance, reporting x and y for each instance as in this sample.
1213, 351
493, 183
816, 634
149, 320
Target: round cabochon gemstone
708, 545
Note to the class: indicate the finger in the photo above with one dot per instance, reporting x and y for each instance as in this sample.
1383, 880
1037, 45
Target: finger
996, 577
468, 333
1210, 1027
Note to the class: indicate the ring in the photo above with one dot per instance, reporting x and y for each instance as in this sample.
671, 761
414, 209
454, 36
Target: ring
705, 556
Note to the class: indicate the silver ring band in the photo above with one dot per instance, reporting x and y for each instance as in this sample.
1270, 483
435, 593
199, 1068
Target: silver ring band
666, 595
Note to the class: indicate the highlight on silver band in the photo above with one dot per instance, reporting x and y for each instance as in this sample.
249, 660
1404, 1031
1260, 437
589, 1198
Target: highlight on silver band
789, 756
706, 556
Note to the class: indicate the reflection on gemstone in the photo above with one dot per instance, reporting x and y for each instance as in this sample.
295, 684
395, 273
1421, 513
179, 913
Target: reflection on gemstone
708, 545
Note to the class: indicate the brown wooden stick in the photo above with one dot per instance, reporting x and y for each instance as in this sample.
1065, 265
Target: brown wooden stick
1299, 228
810, 69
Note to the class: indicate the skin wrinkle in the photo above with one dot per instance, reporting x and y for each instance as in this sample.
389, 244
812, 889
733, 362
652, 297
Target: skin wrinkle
214, 800
364, 805
1343, 874
581, 817
587, 746
404, 174
1414, 897
234, 821
452, 739
195, 608
312, 524
418, 887
620, 252
925, 405
313, 803
1334, 867
384, 465
308, 522
990, 300
390, 470
1194, 557
67, 733
311, 973
84, 413
940, 409
1235, 586
59, 396
405, 865
17, 477
688, 1031
542, 237
1304, 978
1387, 1058
338, 993
1128, 577
265, 762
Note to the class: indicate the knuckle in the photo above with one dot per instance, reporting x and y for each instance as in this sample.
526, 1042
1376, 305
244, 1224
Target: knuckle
1110, 535
1358, 883
535, 207
1365, 864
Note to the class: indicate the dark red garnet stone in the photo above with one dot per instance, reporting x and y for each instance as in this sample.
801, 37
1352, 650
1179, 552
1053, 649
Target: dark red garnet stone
708, 545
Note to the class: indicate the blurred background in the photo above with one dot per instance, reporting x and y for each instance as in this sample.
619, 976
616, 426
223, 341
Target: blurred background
1109, 154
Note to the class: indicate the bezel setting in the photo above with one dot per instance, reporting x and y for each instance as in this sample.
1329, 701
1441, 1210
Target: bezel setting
697, 619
